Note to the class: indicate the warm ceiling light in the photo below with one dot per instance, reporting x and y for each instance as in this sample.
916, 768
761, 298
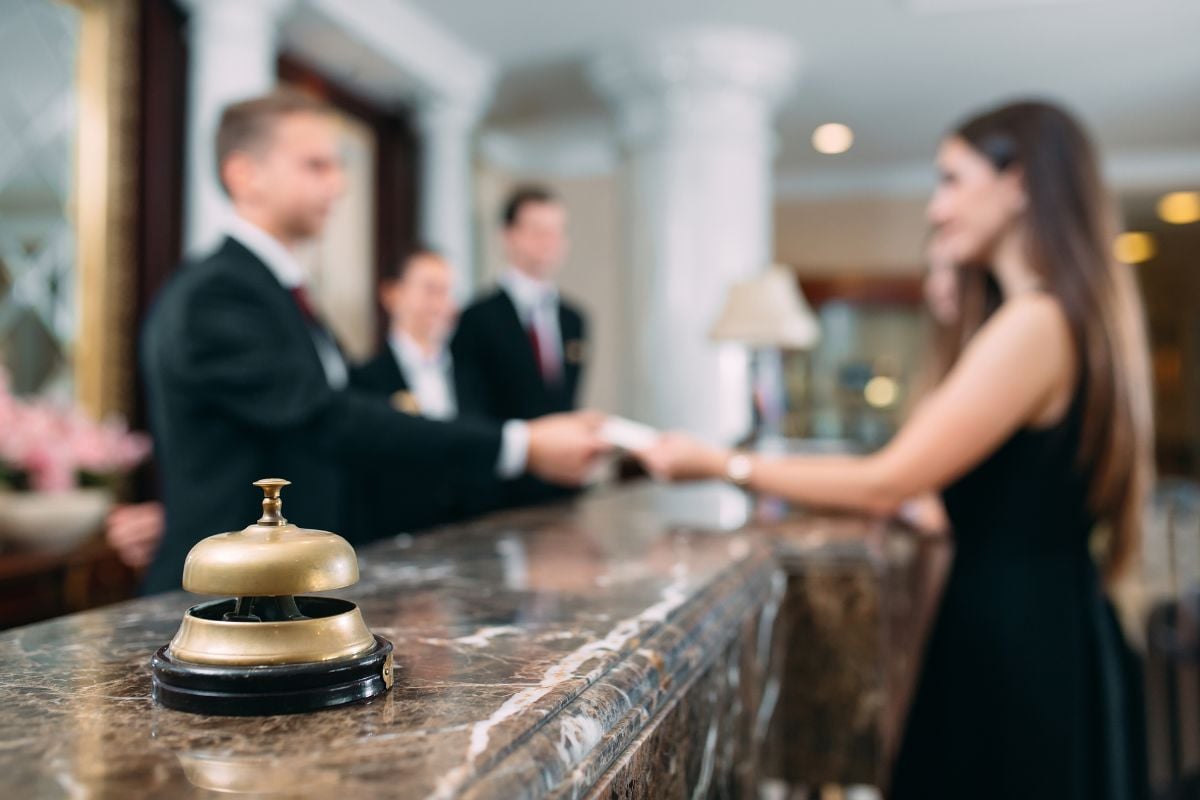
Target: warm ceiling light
1179, 208
832, 138
881, 391
1134, 247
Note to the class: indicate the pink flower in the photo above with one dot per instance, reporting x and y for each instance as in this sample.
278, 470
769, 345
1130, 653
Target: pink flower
53, 443
88, 445
50, 468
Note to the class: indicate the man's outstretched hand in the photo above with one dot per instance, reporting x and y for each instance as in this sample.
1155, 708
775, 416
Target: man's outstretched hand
563, 448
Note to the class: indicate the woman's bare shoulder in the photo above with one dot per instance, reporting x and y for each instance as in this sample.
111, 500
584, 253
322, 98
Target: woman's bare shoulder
1032, 319
1032, 333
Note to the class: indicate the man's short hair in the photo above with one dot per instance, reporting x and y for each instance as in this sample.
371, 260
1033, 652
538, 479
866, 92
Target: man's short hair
246, 126
522, 196
396, 270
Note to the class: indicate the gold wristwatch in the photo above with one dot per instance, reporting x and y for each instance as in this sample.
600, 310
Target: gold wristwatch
738, 469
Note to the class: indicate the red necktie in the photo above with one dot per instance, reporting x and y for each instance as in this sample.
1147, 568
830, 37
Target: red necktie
300, 294
536, 344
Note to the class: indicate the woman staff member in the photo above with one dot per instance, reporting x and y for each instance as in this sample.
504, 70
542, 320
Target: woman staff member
1039, 432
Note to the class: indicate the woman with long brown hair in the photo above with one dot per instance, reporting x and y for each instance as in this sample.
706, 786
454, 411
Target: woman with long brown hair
1038, 435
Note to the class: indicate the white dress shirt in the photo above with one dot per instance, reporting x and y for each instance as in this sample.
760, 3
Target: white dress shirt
287, 270
537, 306
514, 447
429, 378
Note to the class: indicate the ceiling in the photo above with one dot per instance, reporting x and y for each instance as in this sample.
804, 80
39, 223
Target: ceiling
897, 71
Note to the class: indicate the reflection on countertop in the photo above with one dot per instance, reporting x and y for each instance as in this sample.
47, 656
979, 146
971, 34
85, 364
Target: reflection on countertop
532, 649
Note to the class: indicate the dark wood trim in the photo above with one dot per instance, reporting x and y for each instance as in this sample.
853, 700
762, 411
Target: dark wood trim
397, 181
163, 102
294, 70
36, 586
397, 159
162, 125
872, 290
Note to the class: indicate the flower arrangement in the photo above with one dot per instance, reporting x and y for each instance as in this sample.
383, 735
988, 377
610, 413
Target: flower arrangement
52, 447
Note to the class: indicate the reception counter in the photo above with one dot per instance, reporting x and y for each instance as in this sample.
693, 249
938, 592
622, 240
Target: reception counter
642, 642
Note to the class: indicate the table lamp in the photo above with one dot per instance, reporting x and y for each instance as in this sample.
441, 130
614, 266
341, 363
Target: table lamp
768, 314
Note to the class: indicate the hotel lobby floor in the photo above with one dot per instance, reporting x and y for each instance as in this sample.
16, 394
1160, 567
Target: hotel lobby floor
598, 649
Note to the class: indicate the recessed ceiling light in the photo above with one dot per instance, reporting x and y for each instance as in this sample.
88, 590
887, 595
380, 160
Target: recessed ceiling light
832, 138
1134, 247
1179, 208
881, 391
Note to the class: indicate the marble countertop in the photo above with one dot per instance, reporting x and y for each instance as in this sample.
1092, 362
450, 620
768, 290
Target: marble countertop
531, 648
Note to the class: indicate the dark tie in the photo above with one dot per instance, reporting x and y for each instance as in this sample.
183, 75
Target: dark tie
300, 295
323, 338
536, 344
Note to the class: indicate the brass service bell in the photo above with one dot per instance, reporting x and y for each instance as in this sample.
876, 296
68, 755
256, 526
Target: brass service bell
269, 647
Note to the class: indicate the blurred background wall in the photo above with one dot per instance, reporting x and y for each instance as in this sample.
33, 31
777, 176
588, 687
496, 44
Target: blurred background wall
685, 138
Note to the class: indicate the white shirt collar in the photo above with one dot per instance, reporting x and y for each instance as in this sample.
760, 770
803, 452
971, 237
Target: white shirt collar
527, 292
283, 264
410, 353
281, 261
429, 379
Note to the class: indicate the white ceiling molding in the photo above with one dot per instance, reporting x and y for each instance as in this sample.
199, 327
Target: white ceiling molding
1153, 169
958, 6
390, 50
1143, 170
701, 81
569, 147
901, 179
897, 74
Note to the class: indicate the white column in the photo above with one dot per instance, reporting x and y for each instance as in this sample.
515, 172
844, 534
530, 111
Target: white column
232, 52
695, 112
447, 129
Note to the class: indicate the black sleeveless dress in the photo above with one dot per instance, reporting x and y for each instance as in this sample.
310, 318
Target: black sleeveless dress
1028, 689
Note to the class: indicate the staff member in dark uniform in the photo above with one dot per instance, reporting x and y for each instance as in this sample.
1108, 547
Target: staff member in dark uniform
245, 381
414, 367
519, 351
414, 370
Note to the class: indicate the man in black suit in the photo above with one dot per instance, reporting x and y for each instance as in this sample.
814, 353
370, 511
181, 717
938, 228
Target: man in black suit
245, 381
519, 351
413, 370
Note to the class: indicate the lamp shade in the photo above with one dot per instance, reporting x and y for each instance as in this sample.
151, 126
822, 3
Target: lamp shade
768, 311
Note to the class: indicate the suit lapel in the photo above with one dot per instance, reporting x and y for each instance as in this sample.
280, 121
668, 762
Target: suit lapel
574, 349
400, 393
518, 337
393, 371
278, 301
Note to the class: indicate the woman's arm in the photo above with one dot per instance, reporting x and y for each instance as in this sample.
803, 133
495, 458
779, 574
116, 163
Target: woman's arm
1018, 370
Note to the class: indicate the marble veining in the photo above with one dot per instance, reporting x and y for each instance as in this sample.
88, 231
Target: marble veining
533, 649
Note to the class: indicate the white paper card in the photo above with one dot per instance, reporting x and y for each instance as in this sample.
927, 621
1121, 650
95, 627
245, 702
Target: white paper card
627, 434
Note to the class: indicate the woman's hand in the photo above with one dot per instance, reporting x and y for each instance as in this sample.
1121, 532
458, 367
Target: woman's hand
135, 532
680, 457
927, 514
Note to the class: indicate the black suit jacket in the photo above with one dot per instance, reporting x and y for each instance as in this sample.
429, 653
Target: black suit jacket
496, 371
497, 377
380, 375
387, 503
237, 393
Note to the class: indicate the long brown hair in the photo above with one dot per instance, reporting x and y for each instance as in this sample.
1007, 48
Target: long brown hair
1070, 226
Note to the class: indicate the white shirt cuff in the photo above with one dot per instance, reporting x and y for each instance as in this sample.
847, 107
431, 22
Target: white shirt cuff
514, 449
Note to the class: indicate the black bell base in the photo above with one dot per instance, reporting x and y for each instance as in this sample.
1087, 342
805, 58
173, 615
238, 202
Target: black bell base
279, 689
